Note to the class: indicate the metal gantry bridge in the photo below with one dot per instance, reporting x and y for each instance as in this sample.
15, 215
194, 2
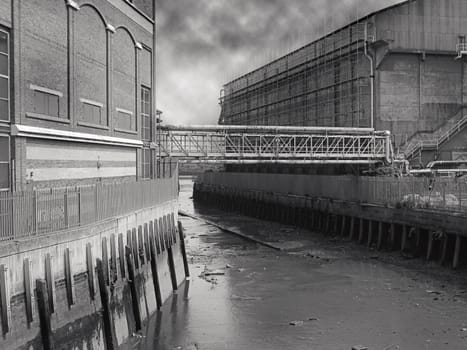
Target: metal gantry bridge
266, 144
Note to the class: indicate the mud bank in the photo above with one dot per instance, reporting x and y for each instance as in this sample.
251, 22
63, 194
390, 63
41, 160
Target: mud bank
319, 292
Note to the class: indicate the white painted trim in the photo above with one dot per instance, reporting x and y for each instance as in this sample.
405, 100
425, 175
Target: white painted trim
124, 111
91, 102
130, 10
46, 90
63, 135
72, 4
110, 28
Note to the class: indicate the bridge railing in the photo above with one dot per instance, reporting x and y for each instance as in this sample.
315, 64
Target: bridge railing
31, 213
230, 144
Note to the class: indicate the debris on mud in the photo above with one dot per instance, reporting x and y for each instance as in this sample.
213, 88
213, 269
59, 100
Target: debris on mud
245, 298
213, 273
296, 323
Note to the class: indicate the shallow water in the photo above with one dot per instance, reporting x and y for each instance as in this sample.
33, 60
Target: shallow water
336, 294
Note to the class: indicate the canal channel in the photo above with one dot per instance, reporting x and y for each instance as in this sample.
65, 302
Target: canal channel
302, 290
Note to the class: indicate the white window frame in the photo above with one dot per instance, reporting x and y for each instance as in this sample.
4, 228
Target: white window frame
8, 162
8, 76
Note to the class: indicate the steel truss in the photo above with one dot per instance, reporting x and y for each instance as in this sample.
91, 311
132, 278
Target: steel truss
305, 145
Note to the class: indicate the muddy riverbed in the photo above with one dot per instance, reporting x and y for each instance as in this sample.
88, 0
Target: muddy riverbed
317, 292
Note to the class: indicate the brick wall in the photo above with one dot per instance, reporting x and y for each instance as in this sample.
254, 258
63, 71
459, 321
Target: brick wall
5, 13
91, 54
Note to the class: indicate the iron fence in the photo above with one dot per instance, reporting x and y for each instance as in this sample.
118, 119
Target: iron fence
30, 213
439, 193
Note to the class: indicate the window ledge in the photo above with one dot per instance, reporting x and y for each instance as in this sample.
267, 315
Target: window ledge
47, 117
132, 132
91, 125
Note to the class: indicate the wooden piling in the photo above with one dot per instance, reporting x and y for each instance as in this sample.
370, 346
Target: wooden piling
121, 255
28, 290
343, 219
155, 272
134, 247
418, 242
133, 288
69, 279
105, 260
429, 251
90, 268
404, 238
370, 233
106, 313
457, 250
444, 248
392, 236
161, 235
171, 262
379, 244
141, 245
183, 249
327, 228
157, 236
44, 314
352, 228
50, 281
361, 230
146, 242
113, 259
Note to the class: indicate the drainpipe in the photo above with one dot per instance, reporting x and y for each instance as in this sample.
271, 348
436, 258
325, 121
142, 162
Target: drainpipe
154, 104
372, 79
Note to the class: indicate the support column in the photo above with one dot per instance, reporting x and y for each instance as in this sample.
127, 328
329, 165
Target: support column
110, 30
72, 6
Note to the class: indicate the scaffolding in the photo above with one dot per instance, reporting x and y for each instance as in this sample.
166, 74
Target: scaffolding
326, 83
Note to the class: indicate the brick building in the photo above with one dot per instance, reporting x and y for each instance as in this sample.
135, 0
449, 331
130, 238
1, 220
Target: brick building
76, 91
396, 69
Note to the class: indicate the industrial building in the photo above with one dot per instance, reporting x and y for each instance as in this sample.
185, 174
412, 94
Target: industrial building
76, 92
400, 69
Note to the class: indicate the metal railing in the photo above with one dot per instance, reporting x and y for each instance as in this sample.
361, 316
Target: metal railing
30, 213
447, 194
307, 145
435, 143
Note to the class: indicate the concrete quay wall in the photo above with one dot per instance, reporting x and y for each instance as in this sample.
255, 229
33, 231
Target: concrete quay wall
427, 233
140, 265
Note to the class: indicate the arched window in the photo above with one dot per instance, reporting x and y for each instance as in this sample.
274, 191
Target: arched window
91, 67
124, 81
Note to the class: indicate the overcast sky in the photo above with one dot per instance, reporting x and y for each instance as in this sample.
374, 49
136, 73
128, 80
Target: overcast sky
203, 44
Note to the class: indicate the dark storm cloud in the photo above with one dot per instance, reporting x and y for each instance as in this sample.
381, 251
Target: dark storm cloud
202, 44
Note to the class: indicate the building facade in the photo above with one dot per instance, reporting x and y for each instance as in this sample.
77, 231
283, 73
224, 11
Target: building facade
76, 92
398, 69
